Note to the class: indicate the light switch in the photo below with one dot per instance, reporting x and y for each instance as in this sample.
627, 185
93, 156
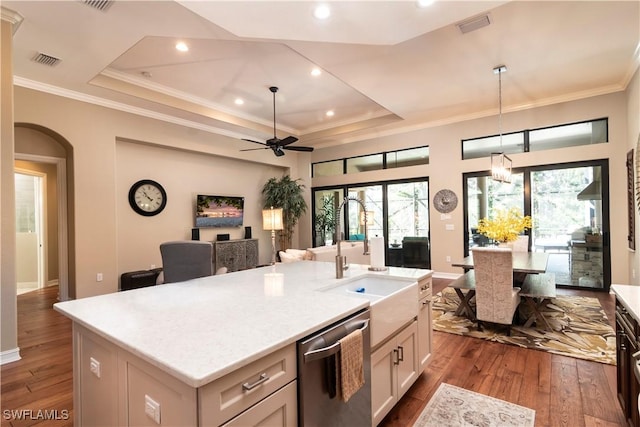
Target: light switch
94, 367
152, 409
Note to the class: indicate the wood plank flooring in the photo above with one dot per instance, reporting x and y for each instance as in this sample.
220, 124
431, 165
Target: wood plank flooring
563, 391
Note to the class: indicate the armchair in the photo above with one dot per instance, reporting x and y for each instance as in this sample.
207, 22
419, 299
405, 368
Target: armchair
185, 260
496, 298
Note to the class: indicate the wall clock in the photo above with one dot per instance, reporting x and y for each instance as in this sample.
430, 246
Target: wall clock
147, 197
445, 201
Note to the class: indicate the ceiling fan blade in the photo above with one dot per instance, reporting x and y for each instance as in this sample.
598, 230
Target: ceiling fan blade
307, 149
288, 140
254, 149
251, 140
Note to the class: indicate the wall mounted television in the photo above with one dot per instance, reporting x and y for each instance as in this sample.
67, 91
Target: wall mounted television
219, 211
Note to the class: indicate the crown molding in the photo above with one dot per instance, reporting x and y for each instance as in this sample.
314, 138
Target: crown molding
10, 16
95, 100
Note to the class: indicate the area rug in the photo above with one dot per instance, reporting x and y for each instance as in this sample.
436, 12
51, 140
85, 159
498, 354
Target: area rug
455, 406
580, 328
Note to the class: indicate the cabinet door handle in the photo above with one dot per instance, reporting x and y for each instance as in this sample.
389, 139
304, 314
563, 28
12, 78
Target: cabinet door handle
400, 354
397, 359
263, 377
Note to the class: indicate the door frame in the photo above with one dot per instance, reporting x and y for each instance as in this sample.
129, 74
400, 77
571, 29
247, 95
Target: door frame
63, 225
41, 228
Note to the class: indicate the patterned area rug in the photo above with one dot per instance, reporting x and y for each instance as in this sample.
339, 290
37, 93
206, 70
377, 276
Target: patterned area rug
580, 328
454, 406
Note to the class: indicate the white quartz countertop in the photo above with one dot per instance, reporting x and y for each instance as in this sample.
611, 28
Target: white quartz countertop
629, 296
202, 329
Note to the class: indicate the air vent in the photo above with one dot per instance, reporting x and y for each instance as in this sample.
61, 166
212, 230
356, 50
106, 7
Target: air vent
473, 24
44, 59
102, 5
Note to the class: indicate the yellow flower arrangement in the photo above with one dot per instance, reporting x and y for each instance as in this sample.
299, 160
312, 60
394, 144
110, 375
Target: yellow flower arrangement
506, 226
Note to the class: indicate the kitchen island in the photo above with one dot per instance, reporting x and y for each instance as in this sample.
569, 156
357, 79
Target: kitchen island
174, 354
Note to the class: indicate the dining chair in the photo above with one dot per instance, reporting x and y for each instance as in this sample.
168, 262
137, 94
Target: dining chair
496, 298
186, 259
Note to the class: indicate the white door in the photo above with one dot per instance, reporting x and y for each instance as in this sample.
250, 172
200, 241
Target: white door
29, 231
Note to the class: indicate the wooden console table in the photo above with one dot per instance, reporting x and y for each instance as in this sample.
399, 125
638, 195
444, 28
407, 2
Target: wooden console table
235, 254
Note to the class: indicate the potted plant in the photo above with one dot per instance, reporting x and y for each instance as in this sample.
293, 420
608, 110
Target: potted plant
505, 226
326, 219
285, 193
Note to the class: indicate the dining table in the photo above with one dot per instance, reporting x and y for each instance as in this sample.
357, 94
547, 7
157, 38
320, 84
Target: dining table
523, 262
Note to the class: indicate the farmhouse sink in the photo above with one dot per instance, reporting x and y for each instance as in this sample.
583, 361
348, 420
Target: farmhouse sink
393, 301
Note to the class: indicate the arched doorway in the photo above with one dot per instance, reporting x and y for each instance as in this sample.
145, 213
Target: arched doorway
37, 148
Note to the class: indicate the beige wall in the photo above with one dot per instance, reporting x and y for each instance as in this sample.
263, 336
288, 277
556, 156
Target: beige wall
102, 223
633, 142
8, 327
445, 169
183, 175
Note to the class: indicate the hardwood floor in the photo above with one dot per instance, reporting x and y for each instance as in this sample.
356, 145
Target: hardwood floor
563, 391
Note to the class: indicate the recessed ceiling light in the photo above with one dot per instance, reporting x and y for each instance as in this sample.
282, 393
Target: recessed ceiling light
239, 101
316, 72
182, 47
424, 3
322, 11
330, 113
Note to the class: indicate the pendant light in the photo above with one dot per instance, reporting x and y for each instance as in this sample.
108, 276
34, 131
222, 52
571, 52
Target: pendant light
500, 163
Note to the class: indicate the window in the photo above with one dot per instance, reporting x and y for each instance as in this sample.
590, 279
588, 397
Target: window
567, 135
372, 162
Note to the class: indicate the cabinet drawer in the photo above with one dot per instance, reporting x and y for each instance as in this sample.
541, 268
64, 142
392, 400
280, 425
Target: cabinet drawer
228, 396
280, 409
424, 287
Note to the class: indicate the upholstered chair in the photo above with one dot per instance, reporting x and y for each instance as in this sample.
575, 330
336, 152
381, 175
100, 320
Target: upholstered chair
496, 298
185, 260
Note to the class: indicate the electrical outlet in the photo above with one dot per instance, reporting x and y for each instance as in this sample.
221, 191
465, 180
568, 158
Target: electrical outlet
153, 266
449, 227
94, 367
99, 277
448, 258
152, 409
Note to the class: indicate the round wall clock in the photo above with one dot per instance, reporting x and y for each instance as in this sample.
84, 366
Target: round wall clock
147, 197
445, 201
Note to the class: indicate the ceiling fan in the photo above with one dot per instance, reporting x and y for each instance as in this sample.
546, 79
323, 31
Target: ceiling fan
277, 145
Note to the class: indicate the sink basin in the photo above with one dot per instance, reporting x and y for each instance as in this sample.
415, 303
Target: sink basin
371, 287
393, 301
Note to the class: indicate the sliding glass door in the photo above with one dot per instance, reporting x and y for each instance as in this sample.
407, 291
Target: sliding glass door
567, 204
397, 211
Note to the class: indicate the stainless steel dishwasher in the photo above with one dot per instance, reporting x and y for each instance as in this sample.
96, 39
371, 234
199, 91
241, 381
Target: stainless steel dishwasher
318, 404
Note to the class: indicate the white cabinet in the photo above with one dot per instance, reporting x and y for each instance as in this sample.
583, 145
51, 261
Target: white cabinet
394, 368
116, 388
425, 329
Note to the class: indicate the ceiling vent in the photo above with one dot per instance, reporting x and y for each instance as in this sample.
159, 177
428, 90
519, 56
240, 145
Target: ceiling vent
473, 24
44, 59
102, 5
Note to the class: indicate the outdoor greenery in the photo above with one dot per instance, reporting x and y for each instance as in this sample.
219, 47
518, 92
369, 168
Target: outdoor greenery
326, 217
285, 193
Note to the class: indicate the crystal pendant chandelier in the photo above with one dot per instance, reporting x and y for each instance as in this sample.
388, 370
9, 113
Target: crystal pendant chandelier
500, 163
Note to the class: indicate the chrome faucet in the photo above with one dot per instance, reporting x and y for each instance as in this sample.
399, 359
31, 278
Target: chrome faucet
341, 261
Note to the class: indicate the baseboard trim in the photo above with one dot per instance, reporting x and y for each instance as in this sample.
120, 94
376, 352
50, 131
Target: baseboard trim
9, 356
53, 282
443, 275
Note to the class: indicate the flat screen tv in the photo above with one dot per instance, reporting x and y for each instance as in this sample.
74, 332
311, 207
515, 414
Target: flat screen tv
219, 211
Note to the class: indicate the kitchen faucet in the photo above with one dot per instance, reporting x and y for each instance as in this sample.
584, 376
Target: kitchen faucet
341, 261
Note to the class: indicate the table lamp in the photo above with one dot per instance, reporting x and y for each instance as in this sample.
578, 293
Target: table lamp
272, 220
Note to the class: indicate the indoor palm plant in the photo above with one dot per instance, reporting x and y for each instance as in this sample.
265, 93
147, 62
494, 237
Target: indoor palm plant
505, 226
285, 193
